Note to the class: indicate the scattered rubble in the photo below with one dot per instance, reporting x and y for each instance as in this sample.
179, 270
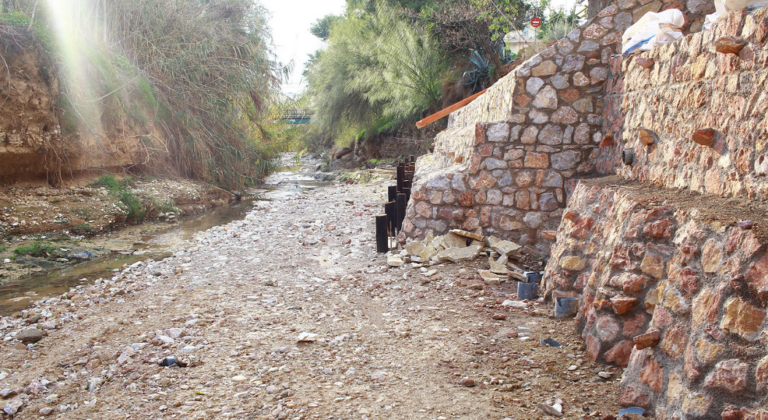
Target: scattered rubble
385, 344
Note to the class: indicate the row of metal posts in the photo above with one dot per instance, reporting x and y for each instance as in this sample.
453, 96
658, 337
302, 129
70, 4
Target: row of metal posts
389, 223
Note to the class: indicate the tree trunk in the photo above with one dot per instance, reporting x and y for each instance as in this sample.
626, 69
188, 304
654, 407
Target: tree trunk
596, 6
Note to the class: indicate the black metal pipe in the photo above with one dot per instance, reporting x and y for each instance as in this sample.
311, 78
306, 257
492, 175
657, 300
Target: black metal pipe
382, 239
391, 210
407, 192
400, 177
392, 193
402, 202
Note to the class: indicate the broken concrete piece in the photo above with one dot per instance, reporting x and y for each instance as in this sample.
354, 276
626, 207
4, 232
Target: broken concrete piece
452, 240
499, 268
395, 261
459, 254
428, 252
414, 248
490, 278
466, 234
503, 247
306, 337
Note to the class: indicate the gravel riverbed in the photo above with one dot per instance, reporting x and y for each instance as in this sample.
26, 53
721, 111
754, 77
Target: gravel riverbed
377, 342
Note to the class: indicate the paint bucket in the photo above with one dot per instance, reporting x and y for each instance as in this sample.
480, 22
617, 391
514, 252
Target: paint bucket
532, 277
526, 291
566, 307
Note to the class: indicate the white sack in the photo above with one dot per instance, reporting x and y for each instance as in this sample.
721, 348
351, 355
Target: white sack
652, 30
723, 6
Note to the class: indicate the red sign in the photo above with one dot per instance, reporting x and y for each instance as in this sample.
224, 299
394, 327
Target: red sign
536, 22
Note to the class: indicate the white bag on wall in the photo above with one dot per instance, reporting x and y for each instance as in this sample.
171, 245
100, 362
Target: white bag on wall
723, 6
652, 30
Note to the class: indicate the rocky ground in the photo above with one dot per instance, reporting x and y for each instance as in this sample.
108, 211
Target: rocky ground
291, 314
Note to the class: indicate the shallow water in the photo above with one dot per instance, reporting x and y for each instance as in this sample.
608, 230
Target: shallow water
159, 244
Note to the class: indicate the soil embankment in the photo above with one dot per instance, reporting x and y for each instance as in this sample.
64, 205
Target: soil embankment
381, 342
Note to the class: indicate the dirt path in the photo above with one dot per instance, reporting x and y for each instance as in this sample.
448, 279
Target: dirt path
390, 342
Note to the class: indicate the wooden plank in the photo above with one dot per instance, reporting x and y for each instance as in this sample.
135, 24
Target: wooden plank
455, 107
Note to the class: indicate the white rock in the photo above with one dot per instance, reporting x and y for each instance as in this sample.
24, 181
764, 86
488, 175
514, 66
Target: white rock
306, 337
514, 304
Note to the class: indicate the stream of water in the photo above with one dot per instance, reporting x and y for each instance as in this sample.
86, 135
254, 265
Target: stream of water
161, 243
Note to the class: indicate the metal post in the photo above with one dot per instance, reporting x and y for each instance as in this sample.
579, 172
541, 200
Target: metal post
391, 210
400, 177
402, 202
392, 193
407, 192
382, 239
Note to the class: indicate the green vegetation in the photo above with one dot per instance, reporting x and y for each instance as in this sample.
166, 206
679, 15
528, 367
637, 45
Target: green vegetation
110, 183
84, 230
38, 250
3, 248
136, 208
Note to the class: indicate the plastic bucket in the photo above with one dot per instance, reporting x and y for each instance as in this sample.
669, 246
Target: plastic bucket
526, 291
566, 307
532, 277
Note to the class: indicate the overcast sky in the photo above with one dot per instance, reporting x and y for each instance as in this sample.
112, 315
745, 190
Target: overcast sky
290, 21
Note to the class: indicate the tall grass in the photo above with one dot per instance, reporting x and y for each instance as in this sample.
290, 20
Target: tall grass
198, 70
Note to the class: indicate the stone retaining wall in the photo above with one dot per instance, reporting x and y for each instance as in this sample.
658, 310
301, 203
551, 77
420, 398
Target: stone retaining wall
504, 161
538, 127
686, 86
653, 272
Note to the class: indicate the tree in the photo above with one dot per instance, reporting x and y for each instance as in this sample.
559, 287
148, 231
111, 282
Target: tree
322, 28
377, 70
509, 15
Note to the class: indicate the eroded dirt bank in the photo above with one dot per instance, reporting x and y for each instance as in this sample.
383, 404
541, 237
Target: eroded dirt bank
390, 343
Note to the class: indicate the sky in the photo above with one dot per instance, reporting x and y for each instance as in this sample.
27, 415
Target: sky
290, 21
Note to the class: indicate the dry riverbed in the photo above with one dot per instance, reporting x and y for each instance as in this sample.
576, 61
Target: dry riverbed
380, 342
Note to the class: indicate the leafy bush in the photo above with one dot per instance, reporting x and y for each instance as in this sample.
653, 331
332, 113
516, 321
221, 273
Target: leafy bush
110, 183
135, 208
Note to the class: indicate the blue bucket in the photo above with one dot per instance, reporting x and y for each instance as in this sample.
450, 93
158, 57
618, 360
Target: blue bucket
532, 277
526, 291
566, 307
